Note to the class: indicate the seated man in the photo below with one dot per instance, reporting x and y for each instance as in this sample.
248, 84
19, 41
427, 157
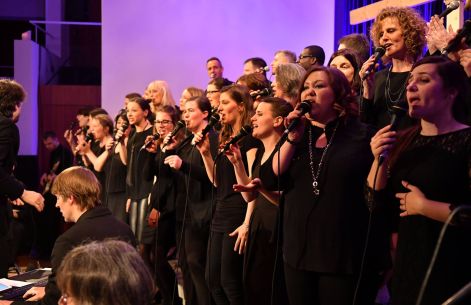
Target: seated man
78, 192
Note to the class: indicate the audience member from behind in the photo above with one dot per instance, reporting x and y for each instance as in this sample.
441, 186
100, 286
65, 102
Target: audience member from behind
215, 70
12, 96
110, 272
288, 82
357, 42
348, 61
282, 57
78, 192
311, 56
255, 65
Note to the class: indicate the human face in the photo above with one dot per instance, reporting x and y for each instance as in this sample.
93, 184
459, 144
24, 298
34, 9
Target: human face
263, 122
277, 92
194, 117
229, 109
426, 96
163, 123
119, 124
156, 94
279, 58
306, 60
345, 66
98, 131
16, 114
82, 120
214, 69
213, 94
391, 37
65, 206
136, 115
249, 68
318, 91
185, 96
51, 143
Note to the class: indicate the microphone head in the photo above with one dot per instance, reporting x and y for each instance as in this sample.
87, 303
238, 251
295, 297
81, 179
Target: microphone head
245, 130
453, 5
181, 124
156, 136
399, 110
215, 117
380, 51
264, 69
305, 106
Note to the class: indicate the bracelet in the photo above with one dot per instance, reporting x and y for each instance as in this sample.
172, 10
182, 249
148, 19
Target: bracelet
292, 142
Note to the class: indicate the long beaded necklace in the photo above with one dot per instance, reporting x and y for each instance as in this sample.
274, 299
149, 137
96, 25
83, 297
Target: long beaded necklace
315, 174
389, 95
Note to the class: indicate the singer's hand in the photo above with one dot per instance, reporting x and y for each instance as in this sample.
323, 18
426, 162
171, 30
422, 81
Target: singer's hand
233, 154
382, 141
154, 216
109, 143
173, 161
68, 136
128, 205
368, 83
253, 186
34, 199
413, 202
202, 143
465, 60
437, 36
242, 233
35, 294
119, 135
170, 143
152, 147
297, 133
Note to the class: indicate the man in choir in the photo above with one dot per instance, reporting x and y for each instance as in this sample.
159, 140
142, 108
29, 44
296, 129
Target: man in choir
215, 69
282, 57
255, 65
311, 56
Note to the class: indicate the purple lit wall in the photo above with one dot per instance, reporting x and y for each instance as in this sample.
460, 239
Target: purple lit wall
145, 40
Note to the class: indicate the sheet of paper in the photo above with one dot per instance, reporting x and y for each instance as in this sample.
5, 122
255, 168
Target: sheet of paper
12, 283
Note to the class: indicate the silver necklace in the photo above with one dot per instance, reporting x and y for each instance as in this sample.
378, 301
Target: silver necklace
387, 90
315, 174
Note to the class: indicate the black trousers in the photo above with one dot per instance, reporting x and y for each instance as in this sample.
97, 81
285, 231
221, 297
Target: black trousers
313, 288
224, 270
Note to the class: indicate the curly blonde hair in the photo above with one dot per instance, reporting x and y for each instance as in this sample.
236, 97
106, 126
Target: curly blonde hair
413, 26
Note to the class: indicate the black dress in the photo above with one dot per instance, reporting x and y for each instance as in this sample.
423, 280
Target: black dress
115, 172
377, 112
440, 166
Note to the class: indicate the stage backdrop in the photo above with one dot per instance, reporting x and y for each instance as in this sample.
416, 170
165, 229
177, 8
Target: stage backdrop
145, 40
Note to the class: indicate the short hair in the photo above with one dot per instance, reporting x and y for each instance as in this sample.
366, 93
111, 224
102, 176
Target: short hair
354, 59
96, 111
255, 81
241, 96
132, 95
214, 58
288, 77
279, 107
340, 86
413, 27
123, 114
359, 43
80, 183
259, 63
12, 94
49, 134
203, 104
105, 121
289, 54
106, 272
218, 82
85, 111
317, 52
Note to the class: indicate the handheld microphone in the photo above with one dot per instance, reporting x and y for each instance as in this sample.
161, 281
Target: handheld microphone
305, 107
263, 69
213, 120
245, 130
379, 52
180, 125
398, 111
155, 137
89, 137
455, 43
453, 5
124, 126
262, 92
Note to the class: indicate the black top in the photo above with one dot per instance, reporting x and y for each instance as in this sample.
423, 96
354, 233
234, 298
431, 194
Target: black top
440, 166
200, 189
327, 233
62, 155
9, 186
95, 224
377, 112
115, 172
230, 205
138, 183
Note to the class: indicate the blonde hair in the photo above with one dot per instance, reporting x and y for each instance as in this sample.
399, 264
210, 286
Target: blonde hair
80, 183
167, 97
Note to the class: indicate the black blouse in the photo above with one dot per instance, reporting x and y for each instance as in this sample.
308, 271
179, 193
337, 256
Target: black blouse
138, 184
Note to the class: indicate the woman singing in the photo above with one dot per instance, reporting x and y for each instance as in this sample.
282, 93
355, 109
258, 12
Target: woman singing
427, 176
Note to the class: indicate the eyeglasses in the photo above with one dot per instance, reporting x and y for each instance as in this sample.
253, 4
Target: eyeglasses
163, 122
212, 92
305, 56
63, 299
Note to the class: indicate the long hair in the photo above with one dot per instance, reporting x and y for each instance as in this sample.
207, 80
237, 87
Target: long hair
354, 58
241, 96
